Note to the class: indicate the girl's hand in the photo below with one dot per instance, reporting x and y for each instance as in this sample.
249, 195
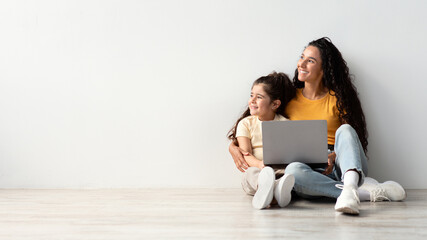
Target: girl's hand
331, 162
237, 154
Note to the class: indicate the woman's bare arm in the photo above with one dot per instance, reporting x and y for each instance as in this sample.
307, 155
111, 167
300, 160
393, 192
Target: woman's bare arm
238, 157
251, 160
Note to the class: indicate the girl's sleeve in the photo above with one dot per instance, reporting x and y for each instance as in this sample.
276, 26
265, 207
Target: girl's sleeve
243, 128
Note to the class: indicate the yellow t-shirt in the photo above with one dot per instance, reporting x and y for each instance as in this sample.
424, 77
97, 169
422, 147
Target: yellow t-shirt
250, 127
301, 108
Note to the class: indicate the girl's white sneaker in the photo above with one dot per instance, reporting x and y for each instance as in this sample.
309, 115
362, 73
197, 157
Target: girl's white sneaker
264, 194
283, 189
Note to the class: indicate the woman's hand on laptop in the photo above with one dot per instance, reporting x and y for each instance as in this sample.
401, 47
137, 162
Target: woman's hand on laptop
331, 161
237, 154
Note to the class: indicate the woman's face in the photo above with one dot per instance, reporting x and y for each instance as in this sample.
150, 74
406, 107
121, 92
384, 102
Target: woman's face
260, 103
310, 65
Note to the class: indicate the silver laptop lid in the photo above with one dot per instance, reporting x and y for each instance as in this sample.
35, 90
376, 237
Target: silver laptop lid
295, 141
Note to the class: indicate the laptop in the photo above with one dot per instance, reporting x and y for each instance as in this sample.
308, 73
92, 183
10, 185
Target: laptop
295, 141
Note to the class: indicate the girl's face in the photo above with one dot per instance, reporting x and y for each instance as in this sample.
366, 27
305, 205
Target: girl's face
261, 105
310, 65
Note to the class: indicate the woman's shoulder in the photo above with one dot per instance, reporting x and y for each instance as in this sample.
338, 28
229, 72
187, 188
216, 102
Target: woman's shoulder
332, 96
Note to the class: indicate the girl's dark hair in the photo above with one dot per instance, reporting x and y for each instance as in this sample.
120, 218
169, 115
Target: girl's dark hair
278, 86
336, 78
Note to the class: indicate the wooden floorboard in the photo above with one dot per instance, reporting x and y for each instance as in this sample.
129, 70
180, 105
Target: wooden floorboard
198, 214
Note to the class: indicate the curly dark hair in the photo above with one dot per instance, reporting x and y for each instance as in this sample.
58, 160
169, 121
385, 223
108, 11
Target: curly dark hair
278, 86
336, 78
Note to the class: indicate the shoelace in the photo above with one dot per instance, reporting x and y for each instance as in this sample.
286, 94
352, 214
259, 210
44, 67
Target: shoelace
379, 194
341, 186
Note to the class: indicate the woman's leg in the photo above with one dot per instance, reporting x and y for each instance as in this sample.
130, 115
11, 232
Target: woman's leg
351, 157
350, 154
351, 167
373, 191
309, 183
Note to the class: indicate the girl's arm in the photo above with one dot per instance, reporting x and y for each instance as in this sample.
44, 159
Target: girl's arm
245, 144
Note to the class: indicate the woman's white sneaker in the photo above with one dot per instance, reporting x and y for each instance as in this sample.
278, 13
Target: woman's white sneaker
394, 190
370, 181
348, 202
387, 191
283, 189
264, 193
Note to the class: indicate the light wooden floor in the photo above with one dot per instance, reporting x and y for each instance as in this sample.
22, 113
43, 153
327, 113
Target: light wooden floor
198, 214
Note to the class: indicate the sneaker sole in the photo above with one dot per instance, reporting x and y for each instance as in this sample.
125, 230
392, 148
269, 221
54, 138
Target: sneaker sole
347, 210
282, 192
264, 193
348, 201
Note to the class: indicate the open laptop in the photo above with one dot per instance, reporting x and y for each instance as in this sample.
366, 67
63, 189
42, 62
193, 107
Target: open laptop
295, 141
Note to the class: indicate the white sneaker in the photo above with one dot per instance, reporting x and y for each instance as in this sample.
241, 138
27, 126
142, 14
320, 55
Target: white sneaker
282, 190
264, 193
348, 201
394, 190
387, 191
370, 181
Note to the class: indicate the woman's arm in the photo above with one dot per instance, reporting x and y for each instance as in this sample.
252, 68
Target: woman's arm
245, 145
331, 161
238, 157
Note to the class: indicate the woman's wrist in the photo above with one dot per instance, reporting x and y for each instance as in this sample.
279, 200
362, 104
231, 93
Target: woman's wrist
232, 146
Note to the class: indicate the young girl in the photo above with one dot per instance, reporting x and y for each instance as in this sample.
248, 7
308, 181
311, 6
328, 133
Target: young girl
269, 96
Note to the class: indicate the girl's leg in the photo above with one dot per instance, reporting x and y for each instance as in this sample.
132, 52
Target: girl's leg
250, 180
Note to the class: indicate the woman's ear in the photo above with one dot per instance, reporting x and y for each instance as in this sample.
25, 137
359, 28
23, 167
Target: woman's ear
276, 104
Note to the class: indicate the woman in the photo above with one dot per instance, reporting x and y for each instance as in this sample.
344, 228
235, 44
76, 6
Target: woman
325, 91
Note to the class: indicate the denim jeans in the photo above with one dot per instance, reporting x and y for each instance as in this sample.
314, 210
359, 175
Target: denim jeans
311, 183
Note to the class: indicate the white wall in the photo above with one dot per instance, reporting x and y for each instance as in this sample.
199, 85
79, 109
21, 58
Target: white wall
142, 93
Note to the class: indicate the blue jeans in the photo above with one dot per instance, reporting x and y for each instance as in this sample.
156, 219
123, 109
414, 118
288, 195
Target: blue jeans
311, 183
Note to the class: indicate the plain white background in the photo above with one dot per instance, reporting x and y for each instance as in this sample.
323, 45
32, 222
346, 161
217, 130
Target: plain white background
100, 94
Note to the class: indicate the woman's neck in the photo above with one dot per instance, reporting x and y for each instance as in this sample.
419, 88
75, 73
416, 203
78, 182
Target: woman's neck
314, 91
